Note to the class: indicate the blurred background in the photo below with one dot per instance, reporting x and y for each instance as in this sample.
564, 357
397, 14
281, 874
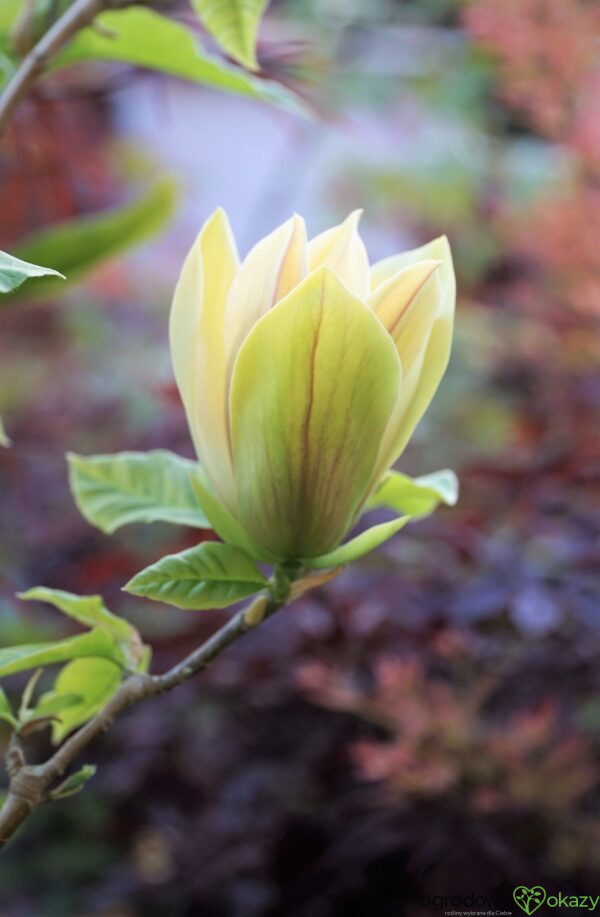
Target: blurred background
428, 723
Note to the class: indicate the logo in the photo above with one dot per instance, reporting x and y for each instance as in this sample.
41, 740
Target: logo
529, 898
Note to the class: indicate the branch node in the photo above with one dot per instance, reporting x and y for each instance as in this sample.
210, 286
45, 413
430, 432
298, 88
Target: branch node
255, 613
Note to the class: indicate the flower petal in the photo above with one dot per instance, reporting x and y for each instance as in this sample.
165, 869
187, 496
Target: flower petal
312, 391
434, 363
198, 346
341, 249
358, 546
423, 336
395, 296
438, 250
407, 305
269, 271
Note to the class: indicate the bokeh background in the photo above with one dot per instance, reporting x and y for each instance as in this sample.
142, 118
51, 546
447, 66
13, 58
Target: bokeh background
428, 723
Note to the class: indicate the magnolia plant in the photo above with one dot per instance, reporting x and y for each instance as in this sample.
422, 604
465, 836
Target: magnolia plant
303, 372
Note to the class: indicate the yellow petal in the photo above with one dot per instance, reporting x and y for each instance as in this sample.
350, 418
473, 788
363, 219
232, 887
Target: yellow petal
341, 249
433, 366
312, 390
395, 296
408, 305
197, 324
271, 269
423, 336
438, 250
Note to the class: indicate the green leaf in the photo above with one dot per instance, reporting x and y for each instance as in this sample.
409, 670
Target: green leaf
51, 703
417, 497
9, 11
4, 439
356, 547
96, 643
221, 520
211, 575
14, 272
6, 713
91, 611
94, 681
115, 490
143, 38
234, 24
76, 246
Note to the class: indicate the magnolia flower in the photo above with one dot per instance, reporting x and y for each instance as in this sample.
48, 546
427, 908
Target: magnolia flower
303, 372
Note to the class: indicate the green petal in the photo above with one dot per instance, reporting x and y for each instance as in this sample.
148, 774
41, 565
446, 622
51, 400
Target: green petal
312, 390
222, 521
364, 543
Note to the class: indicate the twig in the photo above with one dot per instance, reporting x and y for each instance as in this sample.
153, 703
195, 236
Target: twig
30, 785
77, 17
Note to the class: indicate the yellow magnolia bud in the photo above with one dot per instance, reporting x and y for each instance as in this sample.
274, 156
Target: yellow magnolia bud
304, 372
